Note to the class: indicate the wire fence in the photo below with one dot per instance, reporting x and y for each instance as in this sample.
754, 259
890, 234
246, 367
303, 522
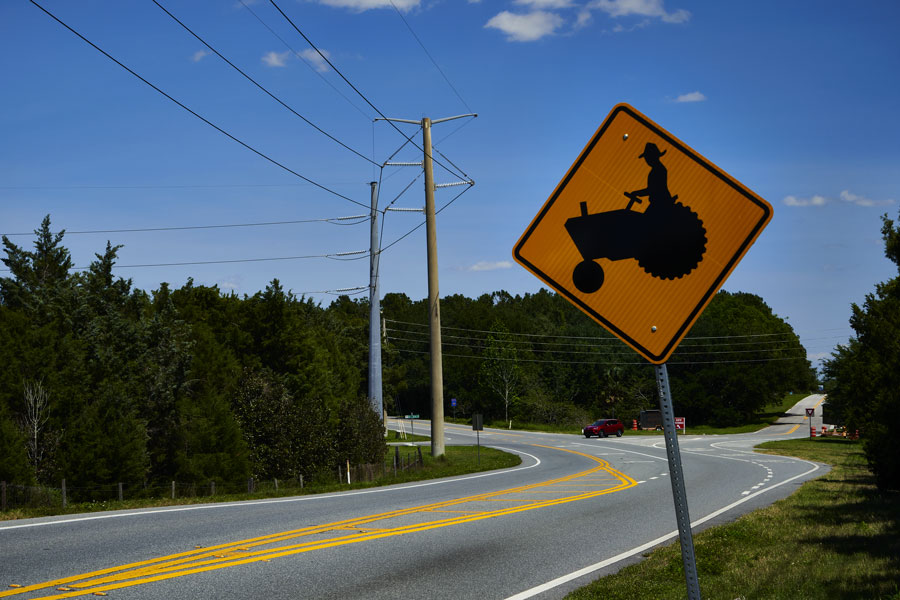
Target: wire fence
17, 496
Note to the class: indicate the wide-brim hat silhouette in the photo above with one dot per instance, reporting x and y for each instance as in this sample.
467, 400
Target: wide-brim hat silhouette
651, 150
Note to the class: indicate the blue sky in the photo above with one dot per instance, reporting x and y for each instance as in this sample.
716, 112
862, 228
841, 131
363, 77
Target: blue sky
797, 100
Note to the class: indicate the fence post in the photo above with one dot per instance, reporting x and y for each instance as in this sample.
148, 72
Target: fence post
276, 485
64, 499
120, 491
3, 496
301, 481
212, 487
173, 489
419, 450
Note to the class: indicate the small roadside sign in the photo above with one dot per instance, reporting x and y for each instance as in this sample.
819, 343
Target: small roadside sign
810, 412
679, 423
477, 422
453, 402
411, 417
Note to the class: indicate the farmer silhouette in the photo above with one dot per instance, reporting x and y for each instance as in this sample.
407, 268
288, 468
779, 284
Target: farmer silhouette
668, 239
657, 190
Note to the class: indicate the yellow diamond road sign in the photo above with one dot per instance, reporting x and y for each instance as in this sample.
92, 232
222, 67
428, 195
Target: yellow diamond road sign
642, 232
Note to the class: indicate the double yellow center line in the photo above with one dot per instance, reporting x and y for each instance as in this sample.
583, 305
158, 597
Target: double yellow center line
597, 481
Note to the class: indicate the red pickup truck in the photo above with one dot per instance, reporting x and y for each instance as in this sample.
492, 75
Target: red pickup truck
603, 428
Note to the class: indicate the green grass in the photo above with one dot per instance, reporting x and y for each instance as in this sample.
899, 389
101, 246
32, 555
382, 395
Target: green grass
457, 460
836, 538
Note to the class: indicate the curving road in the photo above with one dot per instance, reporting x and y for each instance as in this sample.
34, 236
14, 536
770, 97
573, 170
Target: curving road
575, 509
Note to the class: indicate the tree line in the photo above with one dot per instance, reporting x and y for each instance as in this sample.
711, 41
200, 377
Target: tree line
104, 383
862, 378
537, 358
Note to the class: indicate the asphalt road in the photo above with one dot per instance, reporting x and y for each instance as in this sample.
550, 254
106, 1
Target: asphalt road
573, 510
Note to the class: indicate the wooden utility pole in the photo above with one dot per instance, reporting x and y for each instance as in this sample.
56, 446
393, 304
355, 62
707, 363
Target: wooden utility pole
434, 301
434, 309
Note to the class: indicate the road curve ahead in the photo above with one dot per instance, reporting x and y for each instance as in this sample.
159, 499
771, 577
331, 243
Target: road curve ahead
574, 509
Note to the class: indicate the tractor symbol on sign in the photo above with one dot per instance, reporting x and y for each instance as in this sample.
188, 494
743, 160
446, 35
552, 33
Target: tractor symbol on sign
668, 239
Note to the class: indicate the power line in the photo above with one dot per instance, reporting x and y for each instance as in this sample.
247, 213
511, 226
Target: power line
772, 355
581, 337
431, 58
356, 220
544, 335
485, 346
482, 343
208, 122
333, 256
353, 87
765, 344
571, 362
380, 181
465, 175
306, 62
352, 291
761, 346
156, 187
342, 256
420, 225
454, 132
260, 86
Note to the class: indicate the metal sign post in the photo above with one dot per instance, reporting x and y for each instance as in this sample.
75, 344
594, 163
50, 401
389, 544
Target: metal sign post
478, 426
682, 516
412, 423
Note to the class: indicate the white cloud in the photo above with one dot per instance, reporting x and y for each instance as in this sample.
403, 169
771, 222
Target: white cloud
316, 60
490, 266
199, 55
526, 28
643, 8
814, 201
231, 284
364, 5
817, 356
847, 196
544, 4
276, 59
692, 97
584, 19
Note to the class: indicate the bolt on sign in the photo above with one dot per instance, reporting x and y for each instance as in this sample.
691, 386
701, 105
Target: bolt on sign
642, 232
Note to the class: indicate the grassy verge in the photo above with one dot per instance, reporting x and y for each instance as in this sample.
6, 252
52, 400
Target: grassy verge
457, 460
835, 538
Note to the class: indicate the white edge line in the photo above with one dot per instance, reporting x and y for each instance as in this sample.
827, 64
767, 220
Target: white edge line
308, 498
629, 553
